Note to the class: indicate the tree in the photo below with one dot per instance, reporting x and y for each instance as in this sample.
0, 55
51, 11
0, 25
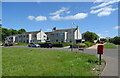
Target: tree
90, 36
5, 32
13, 32
103, 40
115, 40
21, 31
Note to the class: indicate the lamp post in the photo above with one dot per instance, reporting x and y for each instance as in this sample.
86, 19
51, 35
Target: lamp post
72, 36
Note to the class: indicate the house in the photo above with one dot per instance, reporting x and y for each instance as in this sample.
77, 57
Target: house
61, 35
28, 37
65, 35
10, 38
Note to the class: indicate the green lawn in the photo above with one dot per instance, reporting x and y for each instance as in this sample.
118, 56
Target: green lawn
110, 46
38, 62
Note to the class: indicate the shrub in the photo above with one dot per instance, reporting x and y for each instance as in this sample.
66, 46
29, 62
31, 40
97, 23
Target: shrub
115, 40
57, 44
88, 44
80, 44
40, 42
66, 44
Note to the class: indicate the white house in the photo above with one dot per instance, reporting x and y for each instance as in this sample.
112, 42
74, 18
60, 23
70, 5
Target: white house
27, 37
61, 35
10, 38
64, 35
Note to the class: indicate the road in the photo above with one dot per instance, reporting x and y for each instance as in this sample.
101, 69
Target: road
110, 56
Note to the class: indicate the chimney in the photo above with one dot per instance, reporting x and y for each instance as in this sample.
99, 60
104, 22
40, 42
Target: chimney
54, 29
77, 27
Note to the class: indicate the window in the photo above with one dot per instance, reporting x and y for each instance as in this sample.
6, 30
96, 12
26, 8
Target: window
35, 36
51, 34
56, 40
57, 34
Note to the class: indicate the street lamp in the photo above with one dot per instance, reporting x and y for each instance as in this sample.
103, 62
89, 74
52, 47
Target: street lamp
72, 36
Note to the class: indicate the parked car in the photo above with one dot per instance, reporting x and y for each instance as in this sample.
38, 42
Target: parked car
77, 46
33, 45
46, 45
8, 44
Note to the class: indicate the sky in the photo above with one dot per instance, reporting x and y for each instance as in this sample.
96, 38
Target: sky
98, 17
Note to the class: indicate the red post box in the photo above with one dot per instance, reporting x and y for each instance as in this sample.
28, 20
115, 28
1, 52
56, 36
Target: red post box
100, 49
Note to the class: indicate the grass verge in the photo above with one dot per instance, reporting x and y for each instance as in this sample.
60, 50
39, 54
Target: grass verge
39, 62
110, 46
21, 44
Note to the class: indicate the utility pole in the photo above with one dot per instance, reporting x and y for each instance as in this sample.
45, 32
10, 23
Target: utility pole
40, 35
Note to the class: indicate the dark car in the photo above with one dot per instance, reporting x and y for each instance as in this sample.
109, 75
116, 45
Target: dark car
77, 46
46, 45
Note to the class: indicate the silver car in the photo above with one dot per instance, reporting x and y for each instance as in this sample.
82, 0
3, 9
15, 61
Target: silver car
33, 45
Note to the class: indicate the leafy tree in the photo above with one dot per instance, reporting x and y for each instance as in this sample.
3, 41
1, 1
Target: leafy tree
13, 32
103, 40
5, 32
90, 36
115, 40
21, 31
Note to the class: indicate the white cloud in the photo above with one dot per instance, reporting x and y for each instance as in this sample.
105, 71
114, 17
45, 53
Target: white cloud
117, 27
31, 17
96, 11
68, 12
63, 10
60, 11
100, 35
106, 11
38, 18
49, 29
103, 35
105, 4
41, 18
106, 31
96, 1
70, 17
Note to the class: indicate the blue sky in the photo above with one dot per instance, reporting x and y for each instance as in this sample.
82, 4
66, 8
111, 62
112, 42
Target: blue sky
34, 16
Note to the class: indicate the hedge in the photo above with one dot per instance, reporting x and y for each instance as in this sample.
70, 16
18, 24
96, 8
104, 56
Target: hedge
89, 44
56, 44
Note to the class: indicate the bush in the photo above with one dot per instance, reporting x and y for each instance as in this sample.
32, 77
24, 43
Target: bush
115, 40
40, 42
80, 44
89, 44
57, 44
66, 44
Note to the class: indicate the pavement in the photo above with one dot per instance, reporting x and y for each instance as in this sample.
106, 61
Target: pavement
110, 56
